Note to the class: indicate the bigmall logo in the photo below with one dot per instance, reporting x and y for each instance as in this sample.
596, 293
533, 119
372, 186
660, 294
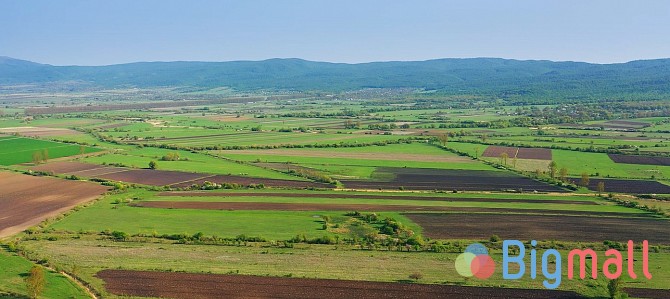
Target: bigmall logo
475, 261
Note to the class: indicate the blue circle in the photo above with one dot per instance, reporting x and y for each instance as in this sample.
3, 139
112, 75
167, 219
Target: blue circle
477, 249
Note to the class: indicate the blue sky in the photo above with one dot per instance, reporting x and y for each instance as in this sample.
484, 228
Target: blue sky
107, 32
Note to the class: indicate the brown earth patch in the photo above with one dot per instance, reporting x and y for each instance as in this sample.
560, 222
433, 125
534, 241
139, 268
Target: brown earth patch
358, 155
442, 179
65, 167
245, 181
644, 160
542, 227
152, 177
627, 186
177, 179
364, 196
192, 285
495, 151
39, 131
28, 200
647, 293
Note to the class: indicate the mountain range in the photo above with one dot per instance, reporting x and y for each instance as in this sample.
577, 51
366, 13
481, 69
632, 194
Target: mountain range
485, 76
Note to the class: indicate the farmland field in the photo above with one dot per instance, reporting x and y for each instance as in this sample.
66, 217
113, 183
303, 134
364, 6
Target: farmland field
371, 193
16, 150
26, 200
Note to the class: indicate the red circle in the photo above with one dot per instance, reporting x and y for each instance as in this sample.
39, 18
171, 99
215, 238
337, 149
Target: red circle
483, 266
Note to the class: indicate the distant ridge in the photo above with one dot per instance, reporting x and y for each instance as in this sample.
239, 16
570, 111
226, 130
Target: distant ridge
487, 76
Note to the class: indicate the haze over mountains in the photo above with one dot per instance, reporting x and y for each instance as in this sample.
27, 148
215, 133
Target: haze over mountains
491, 76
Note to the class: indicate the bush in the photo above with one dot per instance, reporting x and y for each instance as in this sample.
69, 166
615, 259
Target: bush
119, 236
416, 276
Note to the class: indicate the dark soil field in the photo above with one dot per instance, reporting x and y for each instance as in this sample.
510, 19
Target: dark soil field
495, 151
628, 186
273, 206
365, 196
153, 177
534, 153
28, 200
647, 293
612, 125
462, 180
192, 285
645, 160
177, 179
242, 180
65, 167
542, 227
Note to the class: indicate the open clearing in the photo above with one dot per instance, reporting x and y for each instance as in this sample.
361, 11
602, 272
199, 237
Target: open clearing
542, 227
194, 285
28, 200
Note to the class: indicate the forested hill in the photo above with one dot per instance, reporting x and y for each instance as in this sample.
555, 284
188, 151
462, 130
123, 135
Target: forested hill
491, 76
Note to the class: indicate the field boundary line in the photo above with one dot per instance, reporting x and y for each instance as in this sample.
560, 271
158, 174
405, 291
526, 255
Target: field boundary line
200, 178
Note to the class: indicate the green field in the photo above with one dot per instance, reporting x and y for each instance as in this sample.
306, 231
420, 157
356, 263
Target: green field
12, 270
16, 150
306, 139
189, 162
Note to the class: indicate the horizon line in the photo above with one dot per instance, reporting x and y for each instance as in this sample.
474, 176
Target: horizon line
331, 62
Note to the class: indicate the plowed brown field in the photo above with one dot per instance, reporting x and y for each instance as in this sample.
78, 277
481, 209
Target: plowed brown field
192, 285
543, 227
28, 200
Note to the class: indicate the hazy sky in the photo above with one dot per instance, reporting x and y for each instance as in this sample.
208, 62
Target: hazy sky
93, 32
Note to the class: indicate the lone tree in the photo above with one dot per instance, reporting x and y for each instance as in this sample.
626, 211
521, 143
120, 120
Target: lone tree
443, 138
416, 276
45, 155
35, 281
503, 158
552, 169
563, 174
476, 152
601, 187
153, 165
614, 288
584, 182
37, 158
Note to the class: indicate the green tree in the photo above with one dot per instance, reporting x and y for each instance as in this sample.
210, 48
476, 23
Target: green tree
35, 281
503, 158
552, 169
37, 158
614, 288
563, 174
584, 182
601, 187
416, 276
45, 155
443, 138
153, 165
